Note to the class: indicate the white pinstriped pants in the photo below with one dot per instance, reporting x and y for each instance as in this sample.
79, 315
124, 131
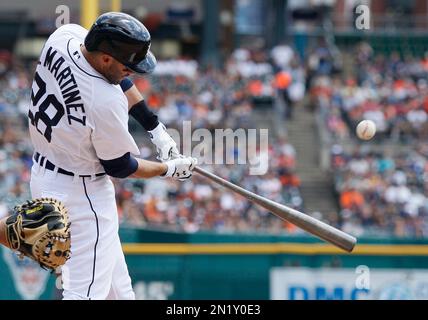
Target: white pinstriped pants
96, 269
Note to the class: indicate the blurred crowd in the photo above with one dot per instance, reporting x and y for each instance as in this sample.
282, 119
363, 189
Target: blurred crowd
380, 190
392, 91
209, 98
382, 193
199, 205
214, 99
15, 148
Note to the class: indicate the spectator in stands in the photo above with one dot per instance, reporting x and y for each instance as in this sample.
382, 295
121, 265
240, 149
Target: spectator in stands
381, 192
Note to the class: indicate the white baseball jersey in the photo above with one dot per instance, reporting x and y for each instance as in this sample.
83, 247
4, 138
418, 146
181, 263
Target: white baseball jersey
76, 116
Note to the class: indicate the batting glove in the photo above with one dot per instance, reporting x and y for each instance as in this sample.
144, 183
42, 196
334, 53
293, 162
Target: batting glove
165, 145
181, 168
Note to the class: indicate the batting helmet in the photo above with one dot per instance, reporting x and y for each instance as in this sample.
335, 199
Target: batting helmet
124, 38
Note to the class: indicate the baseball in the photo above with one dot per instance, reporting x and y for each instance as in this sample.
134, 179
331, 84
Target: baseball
366, 129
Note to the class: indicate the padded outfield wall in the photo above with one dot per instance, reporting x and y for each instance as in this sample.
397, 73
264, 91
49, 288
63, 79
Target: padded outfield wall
168, 265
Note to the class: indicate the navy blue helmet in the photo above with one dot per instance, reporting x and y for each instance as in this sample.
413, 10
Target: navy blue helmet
124, 38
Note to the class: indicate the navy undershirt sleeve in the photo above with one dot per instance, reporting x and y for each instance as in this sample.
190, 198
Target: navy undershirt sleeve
121, 167
126, 84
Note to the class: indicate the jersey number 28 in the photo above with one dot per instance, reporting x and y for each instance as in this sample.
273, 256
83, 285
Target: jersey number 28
48, 120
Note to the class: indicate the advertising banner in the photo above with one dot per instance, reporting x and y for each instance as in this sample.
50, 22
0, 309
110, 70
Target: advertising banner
361, 283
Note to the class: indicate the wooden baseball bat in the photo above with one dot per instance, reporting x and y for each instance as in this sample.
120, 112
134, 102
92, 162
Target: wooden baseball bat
307, 223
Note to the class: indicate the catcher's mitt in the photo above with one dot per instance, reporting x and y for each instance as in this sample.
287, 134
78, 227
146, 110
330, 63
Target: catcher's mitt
39, 229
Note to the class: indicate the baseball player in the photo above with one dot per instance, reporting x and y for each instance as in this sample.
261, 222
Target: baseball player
78, 115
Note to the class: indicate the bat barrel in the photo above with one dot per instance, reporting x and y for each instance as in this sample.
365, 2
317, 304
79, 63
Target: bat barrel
307, 223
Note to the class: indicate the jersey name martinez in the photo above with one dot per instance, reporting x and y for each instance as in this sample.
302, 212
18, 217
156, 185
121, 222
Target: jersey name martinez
49, 109
68, 86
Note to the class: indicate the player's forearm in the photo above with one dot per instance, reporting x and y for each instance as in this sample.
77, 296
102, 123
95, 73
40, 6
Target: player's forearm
133, 95
139, 110
3, 232
149, 169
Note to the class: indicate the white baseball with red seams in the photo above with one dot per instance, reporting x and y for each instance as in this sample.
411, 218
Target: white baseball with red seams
366, 129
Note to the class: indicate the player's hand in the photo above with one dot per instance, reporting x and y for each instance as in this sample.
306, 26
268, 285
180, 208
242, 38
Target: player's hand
165, 145
181, 168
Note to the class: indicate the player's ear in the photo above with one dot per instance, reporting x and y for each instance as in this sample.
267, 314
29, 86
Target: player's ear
106, 59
